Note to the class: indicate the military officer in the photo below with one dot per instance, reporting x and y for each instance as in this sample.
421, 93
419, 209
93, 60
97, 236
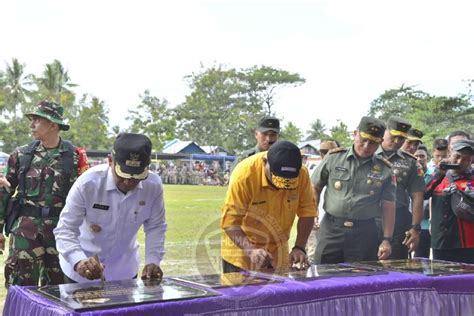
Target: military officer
409, 184
39, 178
412, 141
359, 187
266, 134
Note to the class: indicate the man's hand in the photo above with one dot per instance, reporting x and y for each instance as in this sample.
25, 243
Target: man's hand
385, 249
298, 259
412, 238
260, 258
4, 182
89, 268
152, 271
2, 243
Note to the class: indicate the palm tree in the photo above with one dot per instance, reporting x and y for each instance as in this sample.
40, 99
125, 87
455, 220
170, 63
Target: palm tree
14, 87
317, 131
55, 83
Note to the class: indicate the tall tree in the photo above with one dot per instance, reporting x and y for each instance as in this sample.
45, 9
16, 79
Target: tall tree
89, 125
15, 94
317, 130
436, 116
263, 82
341, 134
217, 112
153, 118
291, 133
55, 84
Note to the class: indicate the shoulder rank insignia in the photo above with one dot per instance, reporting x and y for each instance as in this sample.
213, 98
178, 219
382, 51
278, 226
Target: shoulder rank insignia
408, 154
336, 150
385, 161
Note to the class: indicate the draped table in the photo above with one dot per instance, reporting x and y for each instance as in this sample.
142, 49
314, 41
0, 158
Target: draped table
394, 293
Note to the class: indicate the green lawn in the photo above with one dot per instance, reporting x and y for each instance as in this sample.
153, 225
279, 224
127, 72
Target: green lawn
193, 236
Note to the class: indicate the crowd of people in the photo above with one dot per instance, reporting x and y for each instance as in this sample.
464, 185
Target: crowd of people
197, 173
378, 199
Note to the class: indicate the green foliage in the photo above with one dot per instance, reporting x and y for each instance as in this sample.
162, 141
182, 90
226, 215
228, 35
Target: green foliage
153, 118
341, 134
263, 82
291, 133
436, 116
54, 84
89, 124
217, 112
317, 130
225, 104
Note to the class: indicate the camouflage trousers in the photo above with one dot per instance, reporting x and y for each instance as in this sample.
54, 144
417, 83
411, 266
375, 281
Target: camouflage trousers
33, 258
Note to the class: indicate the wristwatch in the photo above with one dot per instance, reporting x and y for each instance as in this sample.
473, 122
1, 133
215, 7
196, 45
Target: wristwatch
389, 239
416, 227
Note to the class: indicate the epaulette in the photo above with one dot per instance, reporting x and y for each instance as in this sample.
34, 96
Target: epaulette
408, 154
336, 150
385, 161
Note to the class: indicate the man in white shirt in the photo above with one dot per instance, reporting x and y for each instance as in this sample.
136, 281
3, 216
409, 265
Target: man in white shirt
104, 210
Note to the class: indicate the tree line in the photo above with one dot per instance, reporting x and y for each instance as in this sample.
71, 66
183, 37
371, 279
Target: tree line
222, 108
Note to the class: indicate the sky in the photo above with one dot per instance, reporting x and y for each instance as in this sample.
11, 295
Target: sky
348, 51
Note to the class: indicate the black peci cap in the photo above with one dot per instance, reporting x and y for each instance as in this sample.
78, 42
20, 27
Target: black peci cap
131, 155
285, 163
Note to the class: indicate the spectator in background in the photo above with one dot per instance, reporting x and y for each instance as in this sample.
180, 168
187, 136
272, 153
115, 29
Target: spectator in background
312, 243
455, 136
438, 153
423, 249
266, 134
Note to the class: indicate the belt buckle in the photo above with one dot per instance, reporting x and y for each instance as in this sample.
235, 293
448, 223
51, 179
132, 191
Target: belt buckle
45, 211
348, 224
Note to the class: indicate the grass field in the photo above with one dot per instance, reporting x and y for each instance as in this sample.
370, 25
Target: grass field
193, 236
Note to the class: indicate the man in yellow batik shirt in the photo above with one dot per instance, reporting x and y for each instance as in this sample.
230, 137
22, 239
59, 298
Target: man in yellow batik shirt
265, 193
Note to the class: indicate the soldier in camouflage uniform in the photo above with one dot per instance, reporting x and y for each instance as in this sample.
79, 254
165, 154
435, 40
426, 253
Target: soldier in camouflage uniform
32, 248
266, 134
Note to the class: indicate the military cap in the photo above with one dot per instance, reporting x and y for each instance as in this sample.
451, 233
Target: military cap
327, 145
398, 126
285, 163
415, 134
269, 123
131, 156
440, 144
50, 111
464, 144
372, 129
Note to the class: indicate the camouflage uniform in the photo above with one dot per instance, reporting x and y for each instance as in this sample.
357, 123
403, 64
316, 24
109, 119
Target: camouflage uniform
32, 249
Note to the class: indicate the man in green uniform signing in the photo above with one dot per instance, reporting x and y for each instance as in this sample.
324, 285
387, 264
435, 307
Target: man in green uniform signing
359, 187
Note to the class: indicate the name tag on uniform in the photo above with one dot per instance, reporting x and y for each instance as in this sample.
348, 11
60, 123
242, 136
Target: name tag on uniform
100, 207
342, 169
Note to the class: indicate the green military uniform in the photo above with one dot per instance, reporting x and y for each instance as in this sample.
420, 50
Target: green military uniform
265, 124
32, 248
409, 179
355, 188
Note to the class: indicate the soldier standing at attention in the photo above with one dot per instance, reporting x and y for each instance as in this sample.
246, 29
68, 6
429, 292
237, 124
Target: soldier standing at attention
266, 134
359, 187
39, 176
409, 183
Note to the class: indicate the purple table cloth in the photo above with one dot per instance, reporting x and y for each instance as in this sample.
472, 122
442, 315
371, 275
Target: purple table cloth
385, 294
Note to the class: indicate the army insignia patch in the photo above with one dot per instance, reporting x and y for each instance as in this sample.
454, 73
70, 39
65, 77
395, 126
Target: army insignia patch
134, 160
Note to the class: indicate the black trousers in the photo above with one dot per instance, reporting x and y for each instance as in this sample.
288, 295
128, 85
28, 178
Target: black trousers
465, 255
423, 249
341, 243
402, 224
